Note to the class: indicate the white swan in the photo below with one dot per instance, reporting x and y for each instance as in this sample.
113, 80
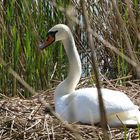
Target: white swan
82, 105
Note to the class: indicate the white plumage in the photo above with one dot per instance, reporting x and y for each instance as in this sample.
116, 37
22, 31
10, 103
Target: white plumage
82, 105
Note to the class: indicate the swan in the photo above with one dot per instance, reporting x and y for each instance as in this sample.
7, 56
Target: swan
82, 105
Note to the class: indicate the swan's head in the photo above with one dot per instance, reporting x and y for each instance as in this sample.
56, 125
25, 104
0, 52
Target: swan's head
56, 33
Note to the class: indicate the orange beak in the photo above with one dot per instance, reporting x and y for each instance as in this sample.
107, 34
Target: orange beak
48, 42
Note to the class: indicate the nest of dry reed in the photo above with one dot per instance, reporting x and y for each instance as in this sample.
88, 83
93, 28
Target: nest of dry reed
25, 119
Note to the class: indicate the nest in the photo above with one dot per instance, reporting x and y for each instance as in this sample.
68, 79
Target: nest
25, 119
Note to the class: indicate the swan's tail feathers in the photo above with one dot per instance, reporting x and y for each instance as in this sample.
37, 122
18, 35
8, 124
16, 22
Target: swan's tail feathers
129, 118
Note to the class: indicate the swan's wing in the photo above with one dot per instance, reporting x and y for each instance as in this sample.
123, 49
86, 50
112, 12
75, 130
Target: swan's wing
87, 107
114, 101
82, 105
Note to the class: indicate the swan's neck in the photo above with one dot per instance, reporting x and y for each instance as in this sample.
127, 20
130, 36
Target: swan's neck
74, 63
70, 83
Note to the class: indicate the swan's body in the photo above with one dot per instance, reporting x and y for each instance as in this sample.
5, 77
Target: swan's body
82, 105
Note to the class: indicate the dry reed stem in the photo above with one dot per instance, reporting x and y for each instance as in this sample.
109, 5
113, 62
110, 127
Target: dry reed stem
114, 49
11, 71
132, 16
68, 126
126, 35
103, 118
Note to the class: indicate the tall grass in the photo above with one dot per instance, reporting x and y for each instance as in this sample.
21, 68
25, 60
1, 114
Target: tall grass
23, 24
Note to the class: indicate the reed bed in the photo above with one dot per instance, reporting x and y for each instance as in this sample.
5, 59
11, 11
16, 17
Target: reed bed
25, 119
115, 27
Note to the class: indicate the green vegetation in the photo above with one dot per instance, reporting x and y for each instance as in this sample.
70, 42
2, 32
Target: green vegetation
23, 24
139, 131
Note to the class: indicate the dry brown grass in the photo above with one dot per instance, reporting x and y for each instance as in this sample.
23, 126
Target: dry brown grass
25, 119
